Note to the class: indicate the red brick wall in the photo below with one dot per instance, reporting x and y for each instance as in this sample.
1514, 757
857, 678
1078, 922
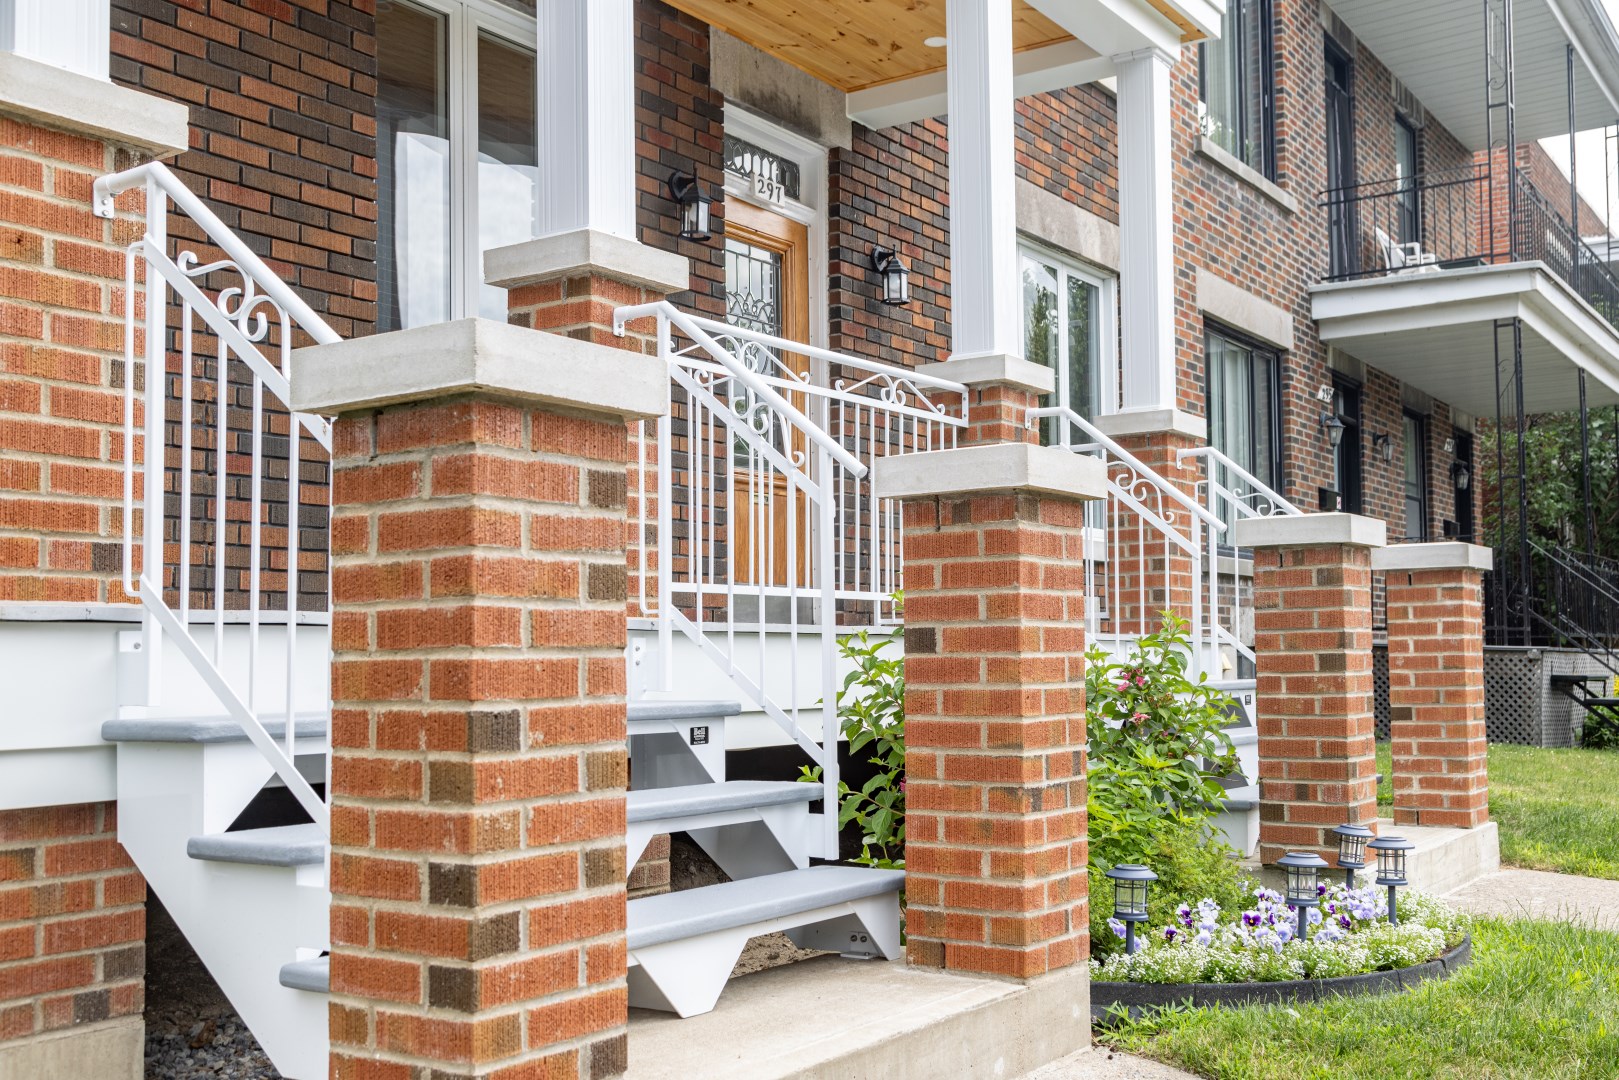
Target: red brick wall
61, 368
72, 921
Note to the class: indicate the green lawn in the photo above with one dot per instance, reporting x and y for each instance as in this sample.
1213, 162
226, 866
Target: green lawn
1557, 809
1540, 1000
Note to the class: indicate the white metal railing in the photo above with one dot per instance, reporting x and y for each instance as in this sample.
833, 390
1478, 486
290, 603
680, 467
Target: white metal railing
228, 310
770, 539
1231, 493
1144, 536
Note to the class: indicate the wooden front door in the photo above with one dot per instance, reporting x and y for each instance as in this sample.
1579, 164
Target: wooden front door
767, 289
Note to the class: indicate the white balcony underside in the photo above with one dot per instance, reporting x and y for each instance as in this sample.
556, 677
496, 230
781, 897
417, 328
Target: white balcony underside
1434, 331
1449, 80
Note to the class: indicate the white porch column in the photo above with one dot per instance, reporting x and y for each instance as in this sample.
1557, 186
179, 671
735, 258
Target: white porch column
1146, 230
70, 34
586, 66
986, 312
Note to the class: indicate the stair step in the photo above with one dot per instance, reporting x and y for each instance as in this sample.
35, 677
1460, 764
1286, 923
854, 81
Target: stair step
210, 729
654, 920
1601, 702
312, 975
283, 845
641, 711
661, 804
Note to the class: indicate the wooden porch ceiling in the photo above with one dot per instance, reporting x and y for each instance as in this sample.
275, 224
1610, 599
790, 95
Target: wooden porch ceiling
857, 44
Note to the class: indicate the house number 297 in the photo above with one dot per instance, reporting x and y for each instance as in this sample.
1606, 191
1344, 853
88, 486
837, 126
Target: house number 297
768, 189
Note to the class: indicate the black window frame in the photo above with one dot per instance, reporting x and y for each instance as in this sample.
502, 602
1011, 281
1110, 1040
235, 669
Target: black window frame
1424, 496
1272, 407
1464, 517
1410, 194
1348, 470
1242, 17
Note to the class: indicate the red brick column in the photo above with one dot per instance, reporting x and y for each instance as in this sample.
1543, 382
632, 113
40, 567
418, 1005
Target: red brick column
995, 697
1000, 392
72, 936
1313, 641
479, 757
1436, 682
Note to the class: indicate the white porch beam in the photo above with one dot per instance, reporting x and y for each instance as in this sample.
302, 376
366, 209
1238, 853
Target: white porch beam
586, 66
70, 34
1112, 27
923, 97
1146, 231
986, 310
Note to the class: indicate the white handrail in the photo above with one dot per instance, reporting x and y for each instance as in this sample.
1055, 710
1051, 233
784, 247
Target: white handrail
1158, 482
107, 188
1261, 489
744, 375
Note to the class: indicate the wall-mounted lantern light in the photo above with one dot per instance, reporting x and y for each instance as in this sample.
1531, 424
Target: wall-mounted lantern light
1391, 853
896, 276
1131, 885
1302, 868
1383, 445
1352, 840
1334, 428
694, 203
1461, 474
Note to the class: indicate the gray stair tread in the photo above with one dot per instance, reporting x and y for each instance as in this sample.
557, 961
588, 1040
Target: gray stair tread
283, 845
657, 804
312, 975
654, 920
210, 729
682, 710
1601, 702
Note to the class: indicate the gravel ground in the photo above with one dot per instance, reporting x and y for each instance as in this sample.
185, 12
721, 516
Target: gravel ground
192, 1033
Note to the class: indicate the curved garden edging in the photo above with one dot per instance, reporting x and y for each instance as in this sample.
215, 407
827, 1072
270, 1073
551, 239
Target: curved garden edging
1139, 997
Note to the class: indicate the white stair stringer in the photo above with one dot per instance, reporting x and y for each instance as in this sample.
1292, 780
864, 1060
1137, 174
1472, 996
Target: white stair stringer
246, 920
683, 945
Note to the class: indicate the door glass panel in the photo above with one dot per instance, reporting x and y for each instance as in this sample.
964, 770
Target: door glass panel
753, 301
413, 167
1041, 328
1084, 345
508, 159
1416, 482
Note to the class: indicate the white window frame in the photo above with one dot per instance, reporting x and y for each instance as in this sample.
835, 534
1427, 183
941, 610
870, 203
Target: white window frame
809, 209
1107, 360
464, 20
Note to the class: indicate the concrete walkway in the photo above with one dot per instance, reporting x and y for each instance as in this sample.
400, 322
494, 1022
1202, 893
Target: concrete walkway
1537, 894
1100, 1063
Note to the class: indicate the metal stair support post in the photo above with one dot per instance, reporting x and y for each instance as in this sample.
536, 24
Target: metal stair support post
479, 764
1436, 681
1313, 702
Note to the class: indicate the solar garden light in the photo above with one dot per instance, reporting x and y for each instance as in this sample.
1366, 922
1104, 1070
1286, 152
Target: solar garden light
1131, 884
1302, 868
1391, 852
1352, 840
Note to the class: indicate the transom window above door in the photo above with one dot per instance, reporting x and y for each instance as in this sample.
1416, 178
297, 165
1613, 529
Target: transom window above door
457, 162
1069, 325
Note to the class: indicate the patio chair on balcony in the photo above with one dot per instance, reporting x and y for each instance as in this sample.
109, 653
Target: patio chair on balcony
1405, 258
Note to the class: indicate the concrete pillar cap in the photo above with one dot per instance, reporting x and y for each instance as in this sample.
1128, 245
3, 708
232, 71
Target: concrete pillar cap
994, 369
584, 252
1310, 530
993, 467
1447, 555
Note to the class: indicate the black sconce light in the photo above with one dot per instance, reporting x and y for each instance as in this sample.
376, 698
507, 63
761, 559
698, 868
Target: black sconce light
1391, 853
1383, 445
1334, 428
1131, 884
896, 276
685, 190
1302, 868
1352, 840
1461, 475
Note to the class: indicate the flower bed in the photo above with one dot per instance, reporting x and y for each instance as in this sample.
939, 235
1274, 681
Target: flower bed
1207, 957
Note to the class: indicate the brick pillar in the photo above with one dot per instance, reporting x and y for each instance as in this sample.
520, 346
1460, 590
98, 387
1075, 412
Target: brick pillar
479, 759
995, 697
1313, 642
1000, 392
1436, 682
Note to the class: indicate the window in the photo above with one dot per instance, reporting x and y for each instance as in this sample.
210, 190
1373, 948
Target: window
1416, 477
1461, 479
456, 154
1405, 173
1244, 406
1346, 460
1235, 81
1068, 326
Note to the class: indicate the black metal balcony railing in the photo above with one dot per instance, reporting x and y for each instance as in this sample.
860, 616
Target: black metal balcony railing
1457, 218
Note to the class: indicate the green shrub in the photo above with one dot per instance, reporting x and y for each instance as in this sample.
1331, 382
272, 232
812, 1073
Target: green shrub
1191, 864
1600, 730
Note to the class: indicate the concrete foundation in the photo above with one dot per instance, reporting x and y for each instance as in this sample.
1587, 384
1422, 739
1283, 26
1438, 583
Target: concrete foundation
836, 1019
1444, 859
112, 1051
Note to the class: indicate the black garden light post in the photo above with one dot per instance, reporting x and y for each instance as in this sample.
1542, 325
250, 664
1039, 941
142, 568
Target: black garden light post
1391, 858
1131, 884
1303, 868
1352, 840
